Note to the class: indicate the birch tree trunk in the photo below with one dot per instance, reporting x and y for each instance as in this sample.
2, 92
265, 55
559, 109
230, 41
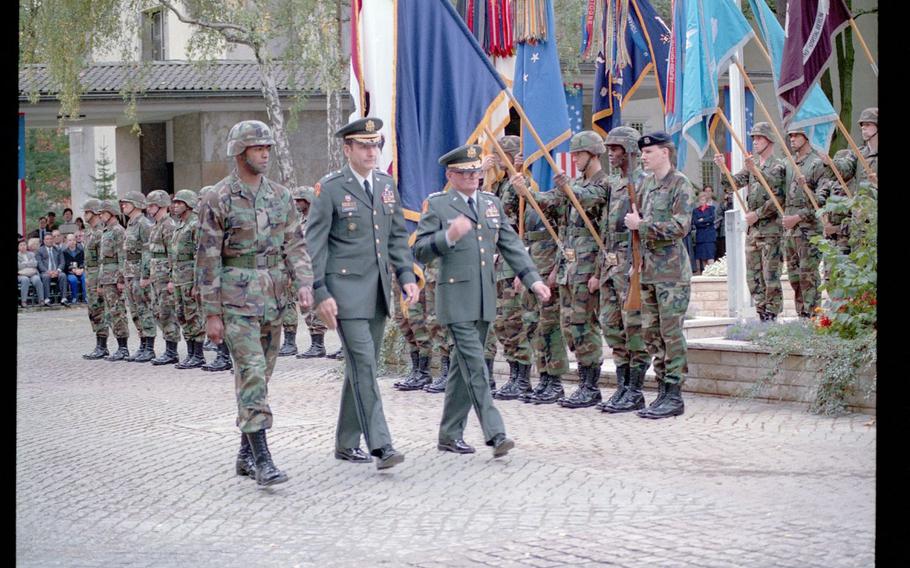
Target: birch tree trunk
288, 176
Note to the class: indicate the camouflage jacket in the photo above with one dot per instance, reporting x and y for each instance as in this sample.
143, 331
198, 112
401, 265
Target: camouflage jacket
797, 202
577, 240
504, 191
850, 167
243, 231
135, 246
111, 253
775, 172
159, 265
541, 246
666, 217
182, 250
91, 246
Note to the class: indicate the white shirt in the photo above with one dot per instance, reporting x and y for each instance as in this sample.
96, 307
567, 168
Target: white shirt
361, 179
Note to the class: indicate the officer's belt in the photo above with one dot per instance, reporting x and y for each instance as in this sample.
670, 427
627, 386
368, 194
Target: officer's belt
185, 256
537, 235
658, 243
251, 261
133, 256
159, 255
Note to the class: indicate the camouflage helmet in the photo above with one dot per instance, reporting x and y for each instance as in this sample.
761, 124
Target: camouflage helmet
797, 130
762, 129
304, 192
92, 206
187, 196
624, 136
109, 206
248, 133
843, 154
134, 197
587, 141
869, 115
510, 144
158, 197
205, 190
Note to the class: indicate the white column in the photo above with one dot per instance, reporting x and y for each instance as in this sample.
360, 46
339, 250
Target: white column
82, 166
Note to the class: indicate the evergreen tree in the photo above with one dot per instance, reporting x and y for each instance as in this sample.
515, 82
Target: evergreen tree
104, 183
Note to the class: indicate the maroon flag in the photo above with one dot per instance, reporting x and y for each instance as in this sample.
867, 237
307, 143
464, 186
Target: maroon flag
810, 29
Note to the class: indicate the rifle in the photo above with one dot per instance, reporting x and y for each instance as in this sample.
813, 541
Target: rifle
633, 297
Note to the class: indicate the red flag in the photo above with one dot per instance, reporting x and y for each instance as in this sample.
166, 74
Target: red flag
810, 29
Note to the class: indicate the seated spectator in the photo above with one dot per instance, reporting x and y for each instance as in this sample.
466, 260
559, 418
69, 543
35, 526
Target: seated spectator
705, 231
80, 224
74, 267
80, 239
39, 232
68, 226
33, 244
28, 275
50, 261
58, 238
52, 220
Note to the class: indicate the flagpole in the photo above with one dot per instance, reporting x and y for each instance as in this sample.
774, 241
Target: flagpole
783, 142
724, 167
834, 169
758, 173
862, 42
564, 187
531, 200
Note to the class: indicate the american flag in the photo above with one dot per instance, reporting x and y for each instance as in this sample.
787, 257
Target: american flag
574, 104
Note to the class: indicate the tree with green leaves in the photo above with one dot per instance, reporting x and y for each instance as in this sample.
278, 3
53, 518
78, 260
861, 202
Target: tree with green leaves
47, 173
104, 182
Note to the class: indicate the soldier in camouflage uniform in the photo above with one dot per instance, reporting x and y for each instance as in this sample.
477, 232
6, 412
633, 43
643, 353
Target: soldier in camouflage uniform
303, 196
836, 227
666, 199
182, 256
576, 264
800, 224
850, 167
158, 271
509, 328
250, 243
763, 238
95, 301
111, 258
406, 328
440, 339
315, 326
222, 361
419, 342
138, 297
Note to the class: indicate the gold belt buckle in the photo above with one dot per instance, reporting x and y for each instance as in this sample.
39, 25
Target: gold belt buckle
569, 254
612, 259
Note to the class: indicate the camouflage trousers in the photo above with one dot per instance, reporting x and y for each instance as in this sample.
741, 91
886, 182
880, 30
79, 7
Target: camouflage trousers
803, 260
289, 318
165, 311
663, 309
139, 301
578, 317
440, 339
401, 320
96, 315
621, 328
763, 257
253, 342
189, 316
547, 342
115, 310
314, 324
418, 316
509, 327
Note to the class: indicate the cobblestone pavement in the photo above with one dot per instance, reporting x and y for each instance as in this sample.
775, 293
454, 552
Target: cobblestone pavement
130, 464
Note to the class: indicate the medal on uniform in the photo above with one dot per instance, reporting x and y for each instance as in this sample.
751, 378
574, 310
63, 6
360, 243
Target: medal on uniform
388, 196
348, 204
492, 212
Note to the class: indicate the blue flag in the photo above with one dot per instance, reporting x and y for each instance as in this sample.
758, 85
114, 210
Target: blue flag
750, 117
647, 42
539, 90
445, 89
706, 35
816, 114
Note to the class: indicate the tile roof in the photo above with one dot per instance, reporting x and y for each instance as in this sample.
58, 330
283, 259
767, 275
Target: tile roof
160, 78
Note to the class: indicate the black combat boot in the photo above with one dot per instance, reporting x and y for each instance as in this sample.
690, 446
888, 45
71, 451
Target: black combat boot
553, 392
290, 344
122, 351
523, 380
222, 362
507, 391
209, 345
412, 374
661, 394
245, 464
337, 356
317, 347
622, 385
439, 384
421, 378
198, 358
671, 405
190, 354
146, 351
632, 398
169, 357
588, 392
579, 390
538, 390
490, 370
266, 472
100, 348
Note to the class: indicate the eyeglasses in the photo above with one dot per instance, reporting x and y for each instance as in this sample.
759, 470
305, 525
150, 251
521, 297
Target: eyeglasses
467, 173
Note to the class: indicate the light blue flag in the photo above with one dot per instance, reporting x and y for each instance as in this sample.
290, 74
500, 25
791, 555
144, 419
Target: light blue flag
714, 30
816, 114
538, 87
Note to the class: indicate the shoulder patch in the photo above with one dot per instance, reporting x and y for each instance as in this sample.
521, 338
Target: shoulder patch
331, 176
487, 193
425, 206
317, 189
